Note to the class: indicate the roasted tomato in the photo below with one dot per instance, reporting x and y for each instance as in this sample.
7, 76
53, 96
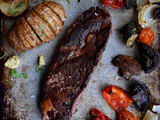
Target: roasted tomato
117, 98
146, 36
117, 4
98, 115
126, 115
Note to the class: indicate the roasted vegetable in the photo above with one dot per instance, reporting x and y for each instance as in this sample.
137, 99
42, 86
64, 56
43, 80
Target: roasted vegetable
12, 62
13, 8
117, 98
126, 115
42, 24
141, 95
129, 33
156, 13
98, 115
140, 4
117, 4
154, 1
150, 116
128, 66
41, 61
146, 36
130, 3
156, 108
145, 15
150, 58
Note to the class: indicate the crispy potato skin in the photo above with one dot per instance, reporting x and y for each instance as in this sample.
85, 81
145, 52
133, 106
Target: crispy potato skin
42, 24
57, 8
41, 11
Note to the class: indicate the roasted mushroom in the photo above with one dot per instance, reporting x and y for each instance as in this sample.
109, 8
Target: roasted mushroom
150, 58
129, 33
130, 3
141, 95
128, 66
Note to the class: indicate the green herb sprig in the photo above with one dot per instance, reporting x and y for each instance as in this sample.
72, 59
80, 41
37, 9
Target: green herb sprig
24, 75
68, 1
17, 75
37, 69
3, 55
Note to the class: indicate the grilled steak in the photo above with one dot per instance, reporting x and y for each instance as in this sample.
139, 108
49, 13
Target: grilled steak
77, 57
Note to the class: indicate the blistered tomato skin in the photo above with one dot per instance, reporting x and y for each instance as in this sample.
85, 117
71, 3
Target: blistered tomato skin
117, 4
146, 36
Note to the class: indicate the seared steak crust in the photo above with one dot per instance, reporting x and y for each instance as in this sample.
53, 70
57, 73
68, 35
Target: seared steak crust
77, 57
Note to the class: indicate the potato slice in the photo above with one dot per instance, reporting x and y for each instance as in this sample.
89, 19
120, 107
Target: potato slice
57, 8
30, 32
43, 26
50, 12
22, 43
25, 36
15, 8
40, 10
14, 40
36, 27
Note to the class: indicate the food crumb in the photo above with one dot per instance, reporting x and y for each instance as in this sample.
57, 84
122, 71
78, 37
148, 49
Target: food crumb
32, 96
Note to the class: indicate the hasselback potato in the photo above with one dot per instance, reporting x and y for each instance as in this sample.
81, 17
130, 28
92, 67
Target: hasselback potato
42, 24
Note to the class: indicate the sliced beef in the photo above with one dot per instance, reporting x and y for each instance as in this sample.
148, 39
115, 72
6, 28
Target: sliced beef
78, 55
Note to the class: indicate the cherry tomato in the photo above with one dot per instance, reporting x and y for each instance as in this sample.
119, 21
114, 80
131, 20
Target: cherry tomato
117, 98
146, 36
117, 4
126, 115
98, 115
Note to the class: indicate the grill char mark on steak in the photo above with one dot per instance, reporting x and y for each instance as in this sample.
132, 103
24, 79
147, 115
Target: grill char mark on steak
78, 55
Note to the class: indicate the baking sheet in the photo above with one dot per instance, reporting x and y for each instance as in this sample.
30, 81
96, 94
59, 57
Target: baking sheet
24, 96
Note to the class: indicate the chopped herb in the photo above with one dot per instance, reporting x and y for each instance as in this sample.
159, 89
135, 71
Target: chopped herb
11, 11
38, 69
8, 81
20, 4
42, 26
41, 35
43, 0
3, 55
15, 74
24, 75
68, 1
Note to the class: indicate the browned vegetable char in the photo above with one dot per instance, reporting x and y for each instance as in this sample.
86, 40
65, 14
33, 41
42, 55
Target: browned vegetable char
78, 55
